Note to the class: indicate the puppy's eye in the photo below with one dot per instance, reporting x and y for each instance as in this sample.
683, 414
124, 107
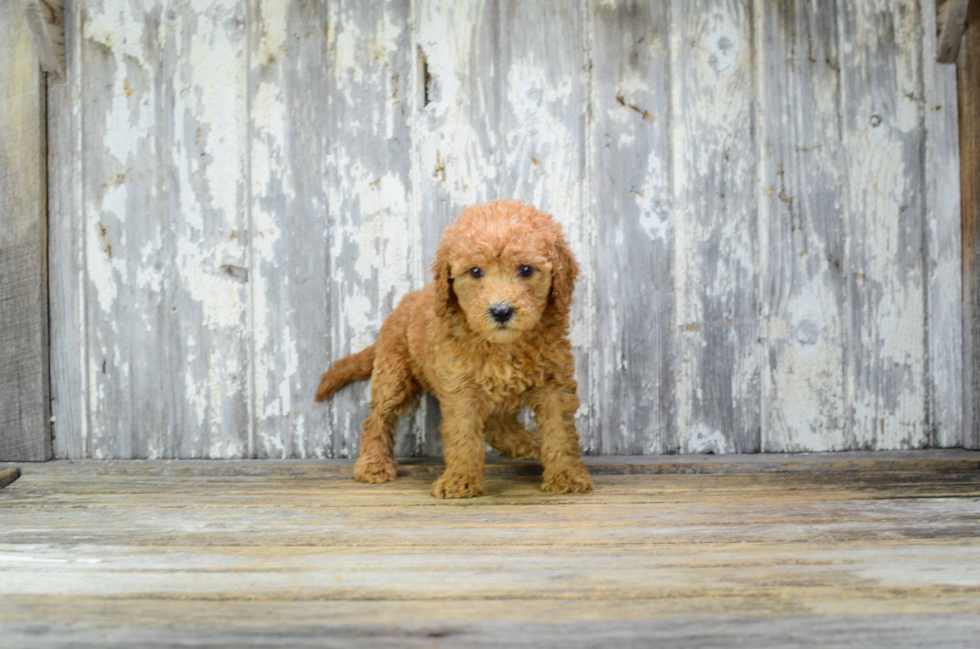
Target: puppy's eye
476, 273
525, 271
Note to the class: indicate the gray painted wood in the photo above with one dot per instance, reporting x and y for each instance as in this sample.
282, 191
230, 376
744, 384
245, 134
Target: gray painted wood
714, 196
883, 137
240, 193
129, 387
24, 402
457, 140
630, 150
801, 229
163, 98
205, 186
289, 139
373, 243
541, 86
944, 238
66, 252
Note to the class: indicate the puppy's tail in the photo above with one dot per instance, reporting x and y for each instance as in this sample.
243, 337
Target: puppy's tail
355, 367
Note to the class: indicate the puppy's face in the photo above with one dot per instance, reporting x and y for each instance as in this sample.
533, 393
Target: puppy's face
502, 297
503, 266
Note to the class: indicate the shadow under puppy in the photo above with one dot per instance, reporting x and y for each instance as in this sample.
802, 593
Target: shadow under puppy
487, 337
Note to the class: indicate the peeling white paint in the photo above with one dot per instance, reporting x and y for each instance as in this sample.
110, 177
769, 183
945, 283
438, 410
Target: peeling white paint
392, 173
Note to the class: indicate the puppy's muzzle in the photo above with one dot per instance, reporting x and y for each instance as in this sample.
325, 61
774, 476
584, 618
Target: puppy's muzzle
501, 312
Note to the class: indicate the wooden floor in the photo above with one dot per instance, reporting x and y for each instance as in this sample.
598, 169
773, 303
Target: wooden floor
848, 550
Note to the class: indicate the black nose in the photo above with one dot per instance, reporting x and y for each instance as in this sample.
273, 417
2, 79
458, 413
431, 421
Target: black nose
501, 313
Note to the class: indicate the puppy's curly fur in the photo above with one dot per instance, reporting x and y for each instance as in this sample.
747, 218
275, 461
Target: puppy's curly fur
487, 337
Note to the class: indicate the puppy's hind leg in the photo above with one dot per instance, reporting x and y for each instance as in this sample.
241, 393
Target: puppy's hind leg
392, 392
506, 434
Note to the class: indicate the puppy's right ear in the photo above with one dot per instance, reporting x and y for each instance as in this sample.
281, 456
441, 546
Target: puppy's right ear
446, 302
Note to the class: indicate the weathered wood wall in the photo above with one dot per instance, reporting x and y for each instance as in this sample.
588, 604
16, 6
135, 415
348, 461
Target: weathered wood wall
968, 70
763, 195
24, 402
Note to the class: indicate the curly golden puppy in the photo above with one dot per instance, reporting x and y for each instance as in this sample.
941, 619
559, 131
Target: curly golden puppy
487, 337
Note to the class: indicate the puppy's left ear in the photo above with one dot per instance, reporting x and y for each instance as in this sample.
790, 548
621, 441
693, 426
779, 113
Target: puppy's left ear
564, 274
446, 301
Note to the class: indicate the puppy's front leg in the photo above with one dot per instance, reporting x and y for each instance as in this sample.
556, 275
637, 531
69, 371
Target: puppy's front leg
564, 470
463, 420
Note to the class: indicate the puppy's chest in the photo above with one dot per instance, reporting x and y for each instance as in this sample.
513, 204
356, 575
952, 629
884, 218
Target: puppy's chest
505, 378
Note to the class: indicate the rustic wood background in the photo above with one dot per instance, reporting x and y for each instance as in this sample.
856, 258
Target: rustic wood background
763, 196
24, 398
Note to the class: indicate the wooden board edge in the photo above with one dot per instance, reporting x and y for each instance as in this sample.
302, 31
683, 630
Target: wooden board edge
44, 17
8, 476
968, 82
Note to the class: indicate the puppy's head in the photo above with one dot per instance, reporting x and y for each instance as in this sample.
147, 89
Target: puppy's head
504, 266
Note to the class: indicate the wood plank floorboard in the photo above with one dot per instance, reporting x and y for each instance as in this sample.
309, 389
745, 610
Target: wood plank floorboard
296, 554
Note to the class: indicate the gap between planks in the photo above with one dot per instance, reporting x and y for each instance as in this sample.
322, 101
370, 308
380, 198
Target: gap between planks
933, 460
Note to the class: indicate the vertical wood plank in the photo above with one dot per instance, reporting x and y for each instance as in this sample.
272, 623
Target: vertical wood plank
715, 225
632, 330
541, 88
24, 400
456, 135
968, 77
205, 136
162, 109
801, 229
372, 233
124, 100
66, 252
944, 309
289, 134
884, 154
279, 169
457, 138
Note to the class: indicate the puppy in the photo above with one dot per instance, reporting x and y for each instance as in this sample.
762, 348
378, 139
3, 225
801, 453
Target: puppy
487, 337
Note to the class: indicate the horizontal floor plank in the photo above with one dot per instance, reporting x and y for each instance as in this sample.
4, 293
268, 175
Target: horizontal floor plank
279, 554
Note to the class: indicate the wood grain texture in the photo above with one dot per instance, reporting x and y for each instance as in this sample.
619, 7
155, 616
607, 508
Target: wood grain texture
24, 403
951, 16
289, 139
122, 94
801, 229
761, 196
7, 476
968, 76
135, 553
373, 237
717, 352
166, 305
67, 273
632, 349
44, 19
457, 141
540, 75
883, 139
944, 238
206, 138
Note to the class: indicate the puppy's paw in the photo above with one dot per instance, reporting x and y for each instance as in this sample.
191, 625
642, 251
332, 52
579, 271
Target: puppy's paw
374, 471
457, 485
567, 480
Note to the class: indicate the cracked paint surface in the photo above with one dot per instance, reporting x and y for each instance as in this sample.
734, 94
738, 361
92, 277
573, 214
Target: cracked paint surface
769, 260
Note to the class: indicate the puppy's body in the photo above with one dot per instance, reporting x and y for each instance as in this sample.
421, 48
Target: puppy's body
485, 346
